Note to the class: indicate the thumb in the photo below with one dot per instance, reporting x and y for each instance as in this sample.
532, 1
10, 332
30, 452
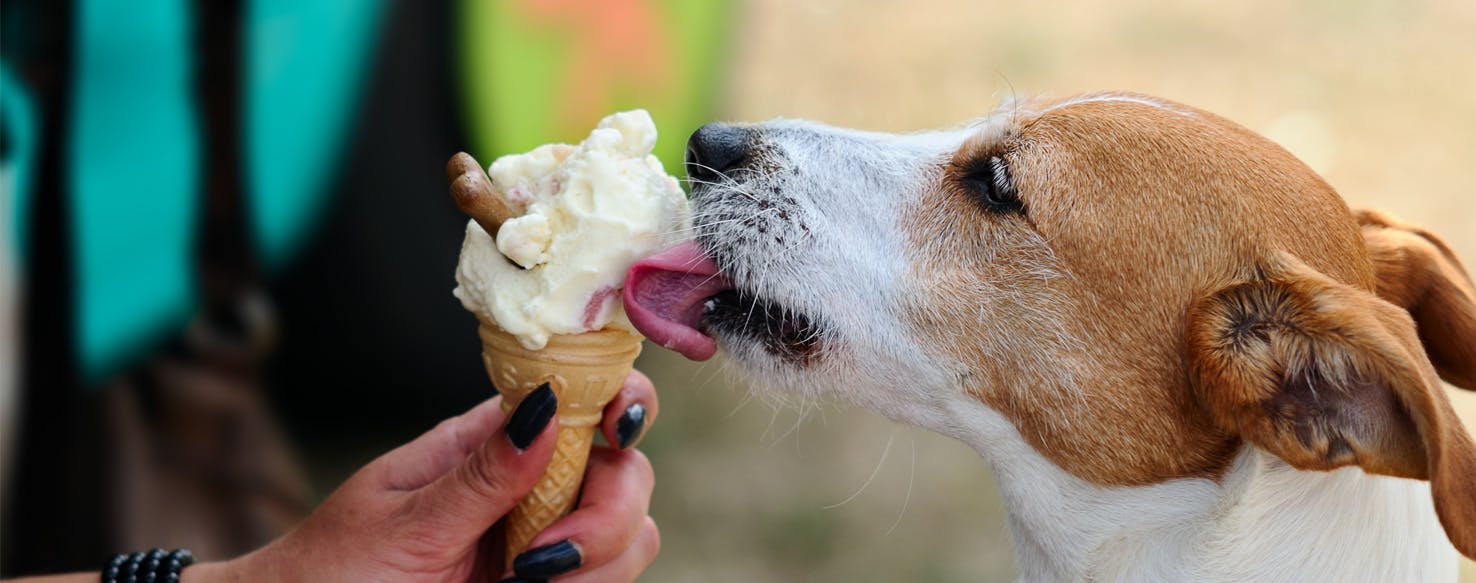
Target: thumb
466, 501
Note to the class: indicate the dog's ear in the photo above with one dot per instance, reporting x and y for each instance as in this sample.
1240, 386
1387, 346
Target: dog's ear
1418, 272
1325, 375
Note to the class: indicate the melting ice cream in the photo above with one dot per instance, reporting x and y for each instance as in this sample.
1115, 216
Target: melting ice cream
585, 213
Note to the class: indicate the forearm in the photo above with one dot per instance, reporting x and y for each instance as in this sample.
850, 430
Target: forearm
68, 578
197, 573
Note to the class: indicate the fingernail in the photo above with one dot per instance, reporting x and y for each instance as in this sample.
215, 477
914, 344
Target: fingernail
531, 416
548, 560
523, 580
630, 425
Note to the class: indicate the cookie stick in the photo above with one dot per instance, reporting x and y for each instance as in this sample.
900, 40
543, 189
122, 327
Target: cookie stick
471, 190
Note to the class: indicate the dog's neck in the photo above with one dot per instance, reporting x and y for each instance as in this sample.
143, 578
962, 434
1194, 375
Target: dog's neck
1262, 521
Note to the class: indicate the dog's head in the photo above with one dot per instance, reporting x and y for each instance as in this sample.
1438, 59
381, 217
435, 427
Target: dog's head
1138, 286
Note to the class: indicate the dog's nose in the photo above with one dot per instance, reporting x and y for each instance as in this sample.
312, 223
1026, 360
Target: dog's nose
714, 150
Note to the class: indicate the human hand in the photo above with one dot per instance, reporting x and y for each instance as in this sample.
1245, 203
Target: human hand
423, 511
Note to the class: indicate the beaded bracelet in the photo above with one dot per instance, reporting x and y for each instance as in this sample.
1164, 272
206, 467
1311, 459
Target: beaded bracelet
156, 566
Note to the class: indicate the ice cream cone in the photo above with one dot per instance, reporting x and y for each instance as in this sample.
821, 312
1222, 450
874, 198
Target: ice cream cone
585, 371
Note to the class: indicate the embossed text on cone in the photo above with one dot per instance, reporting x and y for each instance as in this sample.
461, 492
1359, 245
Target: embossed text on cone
585, 371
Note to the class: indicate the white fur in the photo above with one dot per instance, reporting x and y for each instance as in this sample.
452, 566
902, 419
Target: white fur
839, 278
1263, 521
1116, 98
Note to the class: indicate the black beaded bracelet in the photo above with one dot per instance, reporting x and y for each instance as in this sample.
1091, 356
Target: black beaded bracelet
156, 566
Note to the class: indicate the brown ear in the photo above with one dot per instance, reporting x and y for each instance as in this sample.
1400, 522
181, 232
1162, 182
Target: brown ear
1325, 375
1418, 272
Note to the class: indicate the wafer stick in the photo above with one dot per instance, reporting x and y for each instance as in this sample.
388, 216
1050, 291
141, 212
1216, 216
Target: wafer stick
471, 190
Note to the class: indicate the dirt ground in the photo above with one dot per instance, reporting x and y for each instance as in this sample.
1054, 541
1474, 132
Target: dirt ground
1375, 95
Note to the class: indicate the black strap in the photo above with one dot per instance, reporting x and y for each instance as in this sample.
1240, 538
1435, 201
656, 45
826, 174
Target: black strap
223, 253
237, 321
53, 507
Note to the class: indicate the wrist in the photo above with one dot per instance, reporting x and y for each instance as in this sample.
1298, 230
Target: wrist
254, 566
212, 572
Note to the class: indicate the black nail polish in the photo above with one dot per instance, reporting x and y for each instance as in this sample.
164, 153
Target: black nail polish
630, 425
531, 416
548, 560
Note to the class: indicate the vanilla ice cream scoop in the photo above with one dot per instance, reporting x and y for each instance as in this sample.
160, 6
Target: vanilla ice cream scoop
582, 215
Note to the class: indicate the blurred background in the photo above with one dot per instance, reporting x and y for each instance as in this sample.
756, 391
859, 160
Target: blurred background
226, 249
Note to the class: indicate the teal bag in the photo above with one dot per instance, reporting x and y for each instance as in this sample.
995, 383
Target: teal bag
133, 143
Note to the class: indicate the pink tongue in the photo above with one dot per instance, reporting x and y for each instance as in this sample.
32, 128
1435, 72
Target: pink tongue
664, 294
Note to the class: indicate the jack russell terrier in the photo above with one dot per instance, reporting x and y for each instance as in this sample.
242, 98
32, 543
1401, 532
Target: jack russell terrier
1182, 355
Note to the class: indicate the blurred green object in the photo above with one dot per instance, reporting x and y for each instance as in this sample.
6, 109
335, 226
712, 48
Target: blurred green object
537, 71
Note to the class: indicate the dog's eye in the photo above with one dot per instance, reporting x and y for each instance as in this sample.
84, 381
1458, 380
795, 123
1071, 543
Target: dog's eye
989, 180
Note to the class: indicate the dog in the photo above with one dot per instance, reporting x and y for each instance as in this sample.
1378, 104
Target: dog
1182, 355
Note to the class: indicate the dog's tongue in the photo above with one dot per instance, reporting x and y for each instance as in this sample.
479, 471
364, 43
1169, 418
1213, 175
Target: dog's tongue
664, 296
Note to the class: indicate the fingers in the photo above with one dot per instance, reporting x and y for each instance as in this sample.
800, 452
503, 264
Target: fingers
631, 412
437, 451
611, 515
446, 446
630, 564
467, 500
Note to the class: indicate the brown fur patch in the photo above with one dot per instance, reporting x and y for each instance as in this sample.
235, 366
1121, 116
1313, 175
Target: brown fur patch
1332, 376
1079, 307
1178, 284
1417, 271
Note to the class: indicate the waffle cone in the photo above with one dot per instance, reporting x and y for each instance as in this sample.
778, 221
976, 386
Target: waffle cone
585, 371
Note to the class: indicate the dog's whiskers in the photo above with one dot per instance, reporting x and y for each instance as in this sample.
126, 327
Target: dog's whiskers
747, 397
877, 470
728, 181
907, 498
699, 226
